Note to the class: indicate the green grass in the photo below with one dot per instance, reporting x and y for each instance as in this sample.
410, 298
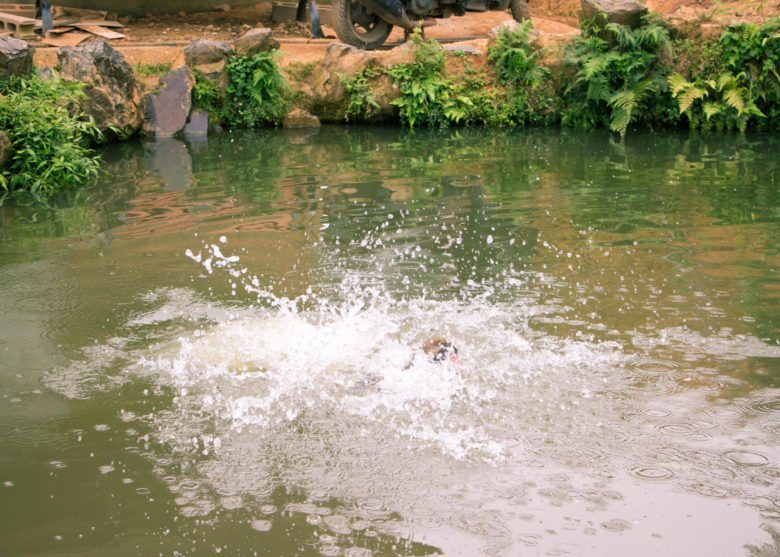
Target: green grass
152, 70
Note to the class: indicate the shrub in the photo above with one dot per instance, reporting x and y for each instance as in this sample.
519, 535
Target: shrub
428, 97
257, 94
514, 57
50, 143
740, 86
620, 76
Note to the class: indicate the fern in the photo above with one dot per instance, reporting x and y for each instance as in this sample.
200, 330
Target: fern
611, 84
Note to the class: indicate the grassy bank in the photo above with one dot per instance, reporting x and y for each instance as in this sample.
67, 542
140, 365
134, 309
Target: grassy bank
610, 76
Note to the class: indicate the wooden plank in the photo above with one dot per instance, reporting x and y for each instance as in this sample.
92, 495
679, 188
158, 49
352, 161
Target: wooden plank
67, 39
59, 30
100, 22
99, 31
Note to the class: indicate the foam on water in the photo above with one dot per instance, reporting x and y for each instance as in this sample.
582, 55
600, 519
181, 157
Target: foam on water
330, 392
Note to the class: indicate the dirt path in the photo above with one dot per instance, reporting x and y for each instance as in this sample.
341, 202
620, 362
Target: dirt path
159, 39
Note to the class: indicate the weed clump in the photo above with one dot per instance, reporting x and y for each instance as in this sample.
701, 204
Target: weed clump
50, 140
736, 83
621, 77
257, 94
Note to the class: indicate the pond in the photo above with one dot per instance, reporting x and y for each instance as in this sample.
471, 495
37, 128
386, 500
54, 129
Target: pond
218, 348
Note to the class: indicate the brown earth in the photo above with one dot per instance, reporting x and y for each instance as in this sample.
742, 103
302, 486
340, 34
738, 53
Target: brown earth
228, 25
554, 21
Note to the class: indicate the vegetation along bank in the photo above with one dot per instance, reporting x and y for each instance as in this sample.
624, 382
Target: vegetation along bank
644, 76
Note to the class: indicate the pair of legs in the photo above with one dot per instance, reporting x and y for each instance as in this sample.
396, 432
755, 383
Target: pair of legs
314, 17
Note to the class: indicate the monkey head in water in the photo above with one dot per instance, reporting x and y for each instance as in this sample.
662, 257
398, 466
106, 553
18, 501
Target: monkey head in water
440, 350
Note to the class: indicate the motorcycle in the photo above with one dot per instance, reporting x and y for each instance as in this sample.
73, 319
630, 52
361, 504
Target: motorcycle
366, 24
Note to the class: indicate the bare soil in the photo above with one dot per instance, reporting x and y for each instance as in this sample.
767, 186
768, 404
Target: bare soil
228, 25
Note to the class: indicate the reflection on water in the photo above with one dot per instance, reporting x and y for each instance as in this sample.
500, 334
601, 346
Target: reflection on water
218, 348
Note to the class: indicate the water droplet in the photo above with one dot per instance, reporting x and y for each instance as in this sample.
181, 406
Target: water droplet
651, 472
261, 525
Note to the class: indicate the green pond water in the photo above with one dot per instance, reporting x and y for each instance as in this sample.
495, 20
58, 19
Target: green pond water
217, 349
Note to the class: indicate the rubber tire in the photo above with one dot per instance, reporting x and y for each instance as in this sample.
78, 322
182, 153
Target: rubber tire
519, 10
342, 24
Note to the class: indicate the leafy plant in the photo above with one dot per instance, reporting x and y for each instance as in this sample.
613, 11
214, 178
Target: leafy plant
620, 76
362, 101
257, 94
725, 103
206, 96
428, 97
528, 97
50, 141
514, 58
733, 83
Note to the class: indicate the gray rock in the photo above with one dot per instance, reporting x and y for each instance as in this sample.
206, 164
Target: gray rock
254, 41
299, 118
624, 12
112, 96
198, 124
16, 57
166, 111
208, 59
5, 149
464, 48
203, 52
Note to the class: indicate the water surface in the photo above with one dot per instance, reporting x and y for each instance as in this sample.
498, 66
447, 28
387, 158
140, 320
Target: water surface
217, 348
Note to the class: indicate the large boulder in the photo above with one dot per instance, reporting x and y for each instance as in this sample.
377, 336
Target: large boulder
112, 97
167, 110
208, 58
624, 12
16, 57
255, 41
203, 52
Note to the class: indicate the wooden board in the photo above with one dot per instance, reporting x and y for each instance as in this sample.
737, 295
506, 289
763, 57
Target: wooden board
100, 22
59, 30
99, 31
67, 39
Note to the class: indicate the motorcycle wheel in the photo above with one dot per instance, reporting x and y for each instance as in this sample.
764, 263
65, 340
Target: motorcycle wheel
519, 10
356, 25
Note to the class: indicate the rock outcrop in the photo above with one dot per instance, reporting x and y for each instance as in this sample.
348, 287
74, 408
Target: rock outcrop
112, 97
209, 58
254, 41
16, 57
166, 111
299, 118
324, 93
624, 12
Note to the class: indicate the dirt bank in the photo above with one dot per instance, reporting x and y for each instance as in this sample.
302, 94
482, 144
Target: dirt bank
228, 25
